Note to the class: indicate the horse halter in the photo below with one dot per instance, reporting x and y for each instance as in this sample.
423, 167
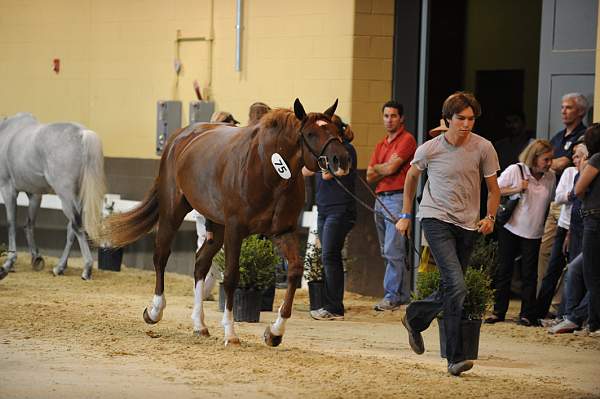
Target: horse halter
322, 161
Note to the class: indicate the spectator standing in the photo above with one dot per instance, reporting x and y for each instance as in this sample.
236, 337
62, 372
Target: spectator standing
572, 111
256, 111
509, 147
388, 167
588, 188
336, 217
449, 213
523, 232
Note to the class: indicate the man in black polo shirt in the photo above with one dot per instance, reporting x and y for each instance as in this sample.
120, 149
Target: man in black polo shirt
572, 111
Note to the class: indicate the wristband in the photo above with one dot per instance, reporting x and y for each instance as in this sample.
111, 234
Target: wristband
404, 216
491, 217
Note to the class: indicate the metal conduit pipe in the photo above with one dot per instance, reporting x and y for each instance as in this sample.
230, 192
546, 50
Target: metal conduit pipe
238, 35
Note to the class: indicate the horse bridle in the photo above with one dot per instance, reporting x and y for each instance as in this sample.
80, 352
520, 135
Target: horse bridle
321, 159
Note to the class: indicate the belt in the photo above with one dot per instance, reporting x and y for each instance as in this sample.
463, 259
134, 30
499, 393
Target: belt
386, 193
589, 212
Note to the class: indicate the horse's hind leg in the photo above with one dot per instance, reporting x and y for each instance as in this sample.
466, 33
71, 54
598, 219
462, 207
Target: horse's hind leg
60, 267
204, 258
35, 200
168, 224
72, 211
288, 245
10, 202
233, 243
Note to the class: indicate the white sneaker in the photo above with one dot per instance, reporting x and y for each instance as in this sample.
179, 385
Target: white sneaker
564, 327
323, 314
584, 332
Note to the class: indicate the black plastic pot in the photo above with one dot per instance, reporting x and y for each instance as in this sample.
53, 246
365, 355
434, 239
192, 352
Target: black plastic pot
246, 304
267, 299
110, 258
470, 336
316, 294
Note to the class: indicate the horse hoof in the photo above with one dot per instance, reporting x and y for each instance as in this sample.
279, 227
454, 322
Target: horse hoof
38, 263
58, 272
3, 273
147, 318
270, 339
235, 341
202, 333
86, 276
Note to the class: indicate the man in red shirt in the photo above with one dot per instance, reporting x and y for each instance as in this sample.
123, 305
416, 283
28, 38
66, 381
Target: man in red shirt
388, 167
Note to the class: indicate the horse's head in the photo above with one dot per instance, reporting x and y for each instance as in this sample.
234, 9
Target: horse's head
322, 141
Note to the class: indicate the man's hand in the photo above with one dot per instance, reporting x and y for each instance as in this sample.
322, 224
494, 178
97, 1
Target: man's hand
524, 185
485, 226
403, 226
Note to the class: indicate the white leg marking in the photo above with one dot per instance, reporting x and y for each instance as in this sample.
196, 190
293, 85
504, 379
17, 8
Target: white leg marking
198, 311
156, 307
278, 328
227, 322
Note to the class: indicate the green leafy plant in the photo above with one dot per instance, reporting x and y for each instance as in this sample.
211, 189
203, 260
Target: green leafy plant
480, 295
313, 265
485, 255
258, 259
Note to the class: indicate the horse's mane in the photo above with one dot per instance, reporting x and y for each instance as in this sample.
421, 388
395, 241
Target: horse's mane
283, 119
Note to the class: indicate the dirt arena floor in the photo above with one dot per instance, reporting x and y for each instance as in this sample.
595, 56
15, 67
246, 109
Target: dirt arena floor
67, 338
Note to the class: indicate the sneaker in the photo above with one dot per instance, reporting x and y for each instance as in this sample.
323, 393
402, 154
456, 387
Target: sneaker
457, 368
385, 304
584, 332
564, 327
323, 314
547, 323
594, 334
415, 339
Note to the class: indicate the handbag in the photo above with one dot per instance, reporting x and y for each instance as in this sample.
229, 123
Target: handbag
508, 205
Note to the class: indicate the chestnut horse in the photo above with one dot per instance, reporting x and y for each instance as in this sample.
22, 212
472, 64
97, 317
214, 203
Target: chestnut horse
247, 180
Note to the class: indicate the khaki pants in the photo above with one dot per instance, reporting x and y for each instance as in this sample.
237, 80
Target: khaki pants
547, 242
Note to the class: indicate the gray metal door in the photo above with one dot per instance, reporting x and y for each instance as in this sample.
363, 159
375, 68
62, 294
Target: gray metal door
567, 58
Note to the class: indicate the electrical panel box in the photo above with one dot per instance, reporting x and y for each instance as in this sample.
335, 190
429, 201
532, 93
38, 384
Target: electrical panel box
201, 111
168, 119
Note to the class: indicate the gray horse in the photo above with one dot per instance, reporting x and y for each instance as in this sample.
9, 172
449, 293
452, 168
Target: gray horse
64, 158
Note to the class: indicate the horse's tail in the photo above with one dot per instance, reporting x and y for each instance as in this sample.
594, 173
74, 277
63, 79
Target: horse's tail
124, 228
92, 184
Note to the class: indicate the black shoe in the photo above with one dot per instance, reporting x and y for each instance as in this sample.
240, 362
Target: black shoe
457, 368
525, 322
493, 319
415, 340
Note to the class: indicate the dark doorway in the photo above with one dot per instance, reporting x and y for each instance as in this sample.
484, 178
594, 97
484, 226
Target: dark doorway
501, 93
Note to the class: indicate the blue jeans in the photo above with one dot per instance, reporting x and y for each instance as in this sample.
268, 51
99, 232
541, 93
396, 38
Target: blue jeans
576, 297
451, 247
591, 267
392, 246
332, 230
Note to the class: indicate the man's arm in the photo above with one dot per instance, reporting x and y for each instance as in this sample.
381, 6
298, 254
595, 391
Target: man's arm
586, 177
486, 225
560, 164
381, 170
410, 188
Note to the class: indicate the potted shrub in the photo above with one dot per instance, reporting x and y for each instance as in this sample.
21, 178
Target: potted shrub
257, 274
478, 300
313, 273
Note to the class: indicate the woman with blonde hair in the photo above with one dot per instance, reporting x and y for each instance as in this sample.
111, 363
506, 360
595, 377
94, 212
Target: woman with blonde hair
532, 180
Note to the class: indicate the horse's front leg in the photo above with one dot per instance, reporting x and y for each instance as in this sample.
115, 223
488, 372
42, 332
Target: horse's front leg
233, 243
204, 258
10, 202
35, 200
288, 245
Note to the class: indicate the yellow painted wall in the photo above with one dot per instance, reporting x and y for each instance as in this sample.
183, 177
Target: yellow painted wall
117, 61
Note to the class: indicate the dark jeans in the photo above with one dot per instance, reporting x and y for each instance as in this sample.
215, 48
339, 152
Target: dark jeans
451, 247
556, 264
332, 230
591, 267
509, 247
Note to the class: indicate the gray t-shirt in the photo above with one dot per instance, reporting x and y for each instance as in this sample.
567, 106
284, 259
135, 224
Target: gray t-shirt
452, 191
592, 195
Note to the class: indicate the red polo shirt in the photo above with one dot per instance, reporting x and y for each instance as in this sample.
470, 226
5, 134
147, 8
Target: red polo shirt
404, 146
